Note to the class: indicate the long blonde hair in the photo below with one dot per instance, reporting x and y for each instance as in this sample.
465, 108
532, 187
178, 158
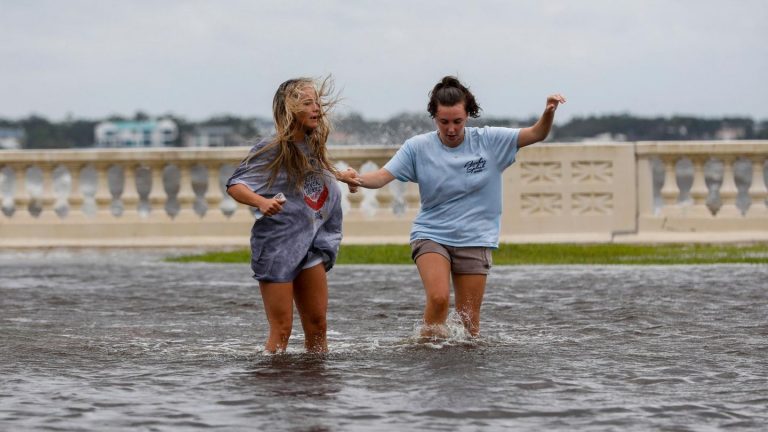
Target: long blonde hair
285, 105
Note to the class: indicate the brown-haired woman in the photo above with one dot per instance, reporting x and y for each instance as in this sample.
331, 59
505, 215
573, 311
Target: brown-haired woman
458, 170
296, 237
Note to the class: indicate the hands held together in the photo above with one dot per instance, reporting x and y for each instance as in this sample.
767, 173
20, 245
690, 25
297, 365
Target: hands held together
351, 178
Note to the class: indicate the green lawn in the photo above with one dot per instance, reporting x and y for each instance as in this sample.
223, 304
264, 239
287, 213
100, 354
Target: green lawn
545, 254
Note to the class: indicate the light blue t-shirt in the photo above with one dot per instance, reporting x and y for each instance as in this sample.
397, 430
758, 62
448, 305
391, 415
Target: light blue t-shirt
460, 187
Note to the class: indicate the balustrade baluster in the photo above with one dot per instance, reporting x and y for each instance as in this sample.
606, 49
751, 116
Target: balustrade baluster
21, 197
6, 193
48, 198
157, 195
103, 196
130, 196
213, 193
670, 191
757, 190
699, 191
186, 194
728, 190
75, 199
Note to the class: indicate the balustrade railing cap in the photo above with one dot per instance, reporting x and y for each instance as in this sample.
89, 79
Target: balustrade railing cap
724, 147
338, 152
114, 155
122, 154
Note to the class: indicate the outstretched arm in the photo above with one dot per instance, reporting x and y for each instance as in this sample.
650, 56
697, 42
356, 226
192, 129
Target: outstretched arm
540, 130
376, 179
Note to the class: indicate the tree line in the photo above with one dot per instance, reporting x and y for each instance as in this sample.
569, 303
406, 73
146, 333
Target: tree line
353, 128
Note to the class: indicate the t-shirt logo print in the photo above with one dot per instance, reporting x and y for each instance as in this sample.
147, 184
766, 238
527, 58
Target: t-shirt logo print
315, 191
475, 166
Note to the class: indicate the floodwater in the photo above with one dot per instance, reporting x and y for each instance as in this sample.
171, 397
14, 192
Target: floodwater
124, 341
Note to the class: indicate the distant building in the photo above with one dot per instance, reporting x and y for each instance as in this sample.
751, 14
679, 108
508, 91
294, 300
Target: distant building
731, 133
606, 137
150, 133
12, 138
213, 136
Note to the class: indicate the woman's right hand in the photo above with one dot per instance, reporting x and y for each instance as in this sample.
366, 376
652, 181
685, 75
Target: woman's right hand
271, 206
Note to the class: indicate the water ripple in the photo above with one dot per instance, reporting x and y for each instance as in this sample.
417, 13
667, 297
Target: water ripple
118, 341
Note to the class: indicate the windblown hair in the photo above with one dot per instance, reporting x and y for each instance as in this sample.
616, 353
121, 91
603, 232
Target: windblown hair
449, 92
287, 103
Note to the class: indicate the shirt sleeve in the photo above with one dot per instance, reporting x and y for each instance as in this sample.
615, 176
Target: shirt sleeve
253, 171
403, 164
503, 145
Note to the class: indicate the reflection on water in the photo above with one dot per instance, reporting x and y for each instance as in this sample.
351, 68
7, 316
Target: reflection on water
117, 341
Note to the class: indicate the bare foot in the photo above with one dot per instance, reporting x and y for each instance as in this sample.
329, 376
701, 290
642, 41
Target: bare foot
435, 331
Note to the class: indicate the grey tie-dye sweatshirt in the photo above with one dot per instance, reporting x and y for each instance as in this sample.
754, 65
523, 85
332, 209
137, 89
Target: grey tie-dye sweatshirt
309, 225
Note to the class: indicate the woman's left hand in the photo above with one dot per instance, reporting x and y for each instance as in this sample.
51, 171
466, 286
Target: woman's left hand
553, 101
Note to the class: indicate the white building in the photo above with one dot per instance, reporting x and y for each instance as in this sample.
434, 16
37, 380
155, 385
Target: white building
731, 133
149, 133
11, 138
213, 136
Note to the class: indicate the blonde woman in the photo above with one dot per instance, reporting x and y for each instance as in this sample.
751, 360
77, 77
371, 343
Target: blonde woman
296, 236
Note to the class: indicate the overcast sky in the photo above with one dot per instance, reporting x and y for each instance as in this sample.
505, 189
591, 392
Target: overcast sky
196, 59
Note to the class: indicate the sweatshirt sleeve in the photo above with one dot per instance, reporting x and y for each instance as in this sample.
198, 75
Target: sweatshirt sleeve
253, 170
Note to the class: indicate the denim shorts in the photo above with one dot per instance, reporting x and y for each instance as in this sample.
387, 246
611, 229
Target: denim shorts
464, 260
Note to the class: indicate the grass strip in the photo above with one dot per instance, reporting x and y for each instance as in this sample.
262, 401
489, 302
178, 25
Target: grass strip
545, 254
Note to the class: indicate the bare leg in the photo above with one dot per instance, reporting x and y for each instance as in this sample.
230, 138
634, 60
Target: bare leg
435, 272
469, 297
278, 304
311, 296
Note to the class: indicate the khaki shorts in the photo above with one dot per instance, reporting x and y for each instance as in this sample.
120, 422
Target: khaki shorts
464, 260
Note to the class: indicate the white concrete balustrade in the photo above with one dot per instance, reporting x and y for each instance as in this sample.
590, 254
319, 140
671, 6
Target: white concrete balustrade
622, 192
725, 191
